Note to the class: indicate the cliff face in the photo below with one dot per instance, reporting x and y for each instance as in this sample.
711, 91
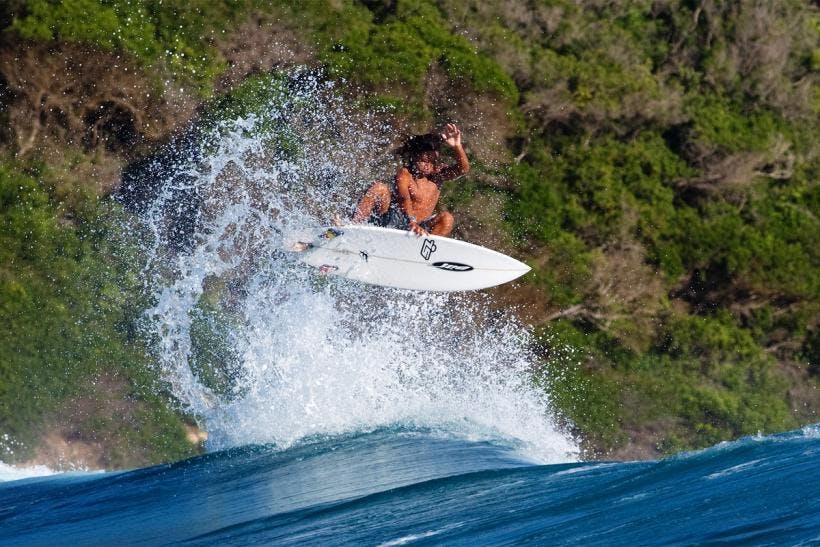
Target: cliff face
655, 162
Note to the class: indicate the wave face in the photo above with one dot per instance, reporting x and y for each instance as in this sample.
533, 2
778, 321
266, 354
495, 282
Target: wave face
397, 486
262, 349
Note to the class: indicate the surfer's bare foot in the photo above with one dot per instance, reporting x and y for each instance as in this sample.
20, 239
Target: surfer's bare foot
300, 246
337, 220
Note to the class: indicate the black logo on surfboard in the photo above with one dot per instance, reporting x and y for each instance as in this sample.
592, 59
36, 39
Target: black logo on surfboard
453, 266
428, 248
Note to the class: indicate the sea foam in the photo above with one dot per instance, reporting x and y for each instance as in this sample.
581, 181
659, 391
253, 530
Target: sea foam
262, 349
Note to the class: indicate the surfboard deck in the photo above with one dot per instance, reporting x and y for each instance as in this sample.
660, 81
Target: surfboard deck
401, 259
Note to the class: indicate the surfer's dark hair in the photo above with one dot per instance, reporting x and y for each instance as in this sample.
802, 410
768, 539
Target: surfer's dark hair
415, 145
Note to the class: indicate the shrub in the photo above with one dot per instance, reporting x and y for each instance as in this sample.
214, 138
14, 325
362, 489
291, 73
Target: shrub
398, 51
68, 296
176, 35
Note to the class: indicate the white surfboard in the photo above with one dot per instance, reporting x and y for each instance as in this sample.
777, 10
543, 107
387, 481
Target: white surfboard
401, 259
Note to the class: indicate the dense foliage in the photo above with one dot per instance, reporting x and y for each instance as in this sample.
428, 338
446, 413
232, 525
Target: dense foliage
657, 163
69, 299
175, 35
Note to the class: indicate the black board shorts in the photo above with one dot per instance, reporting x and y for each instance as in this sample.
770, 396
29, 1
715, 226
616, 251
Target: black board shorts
395, 218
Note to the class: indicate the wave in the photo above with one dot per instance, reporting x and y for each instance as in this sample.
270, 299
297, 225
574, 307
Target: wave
262, 349
13, 472
396, 485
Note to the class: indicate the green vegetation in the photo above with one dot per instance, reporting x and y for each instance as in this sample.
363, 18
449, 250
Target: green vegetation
657, 164
678, 135
390, 49
69, 299
175, 36
213, 358
703, 379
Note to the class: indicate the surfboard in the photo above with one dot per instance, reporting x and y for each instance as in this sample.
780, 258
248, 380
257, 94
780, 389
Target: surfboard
401, 259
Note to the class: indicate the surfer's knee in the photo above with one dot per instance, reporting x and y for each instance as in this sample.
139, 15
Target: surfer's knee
447, 219
380, 194
378, 189
444, 224
376, 197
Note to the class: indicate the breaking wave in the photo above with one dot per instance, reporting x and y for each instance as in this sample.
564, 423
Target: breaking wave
264, 350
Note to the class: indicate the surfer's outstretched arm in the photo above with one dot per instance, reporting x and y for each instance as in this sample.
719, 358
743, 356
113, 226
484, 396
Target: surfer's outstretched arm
452, 138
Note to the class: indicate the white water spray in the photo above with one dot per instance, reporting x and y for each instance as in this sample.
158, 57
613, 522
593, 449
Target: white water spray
263, 349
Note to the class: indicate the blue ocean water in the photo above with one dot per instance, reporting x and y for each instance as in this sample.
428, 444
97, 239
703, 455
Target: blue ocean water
392, 487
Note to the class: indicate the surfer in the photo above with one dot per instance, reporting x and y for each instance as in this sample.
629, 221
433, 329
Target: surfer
410, 204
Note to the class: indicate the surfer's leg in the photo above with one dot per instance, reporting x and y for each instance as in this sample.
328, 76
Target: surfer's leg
442, 224
375, 200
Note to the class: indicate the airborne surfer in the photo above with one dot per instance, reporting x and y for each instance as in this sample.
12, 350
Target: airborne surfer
391, 258
411, 202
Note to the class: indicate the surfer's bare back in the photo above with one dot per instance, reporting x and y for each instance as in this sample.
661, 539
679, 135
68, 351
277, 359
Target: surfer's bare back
411, 202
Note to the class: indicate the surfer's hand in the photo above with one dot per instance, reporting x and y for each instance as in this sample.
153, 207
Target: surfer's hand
417, 229
451, 135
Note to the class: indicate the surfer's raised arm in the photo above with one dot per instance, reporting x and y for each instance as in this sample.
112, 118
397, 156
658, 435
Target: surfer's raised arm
452, 138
